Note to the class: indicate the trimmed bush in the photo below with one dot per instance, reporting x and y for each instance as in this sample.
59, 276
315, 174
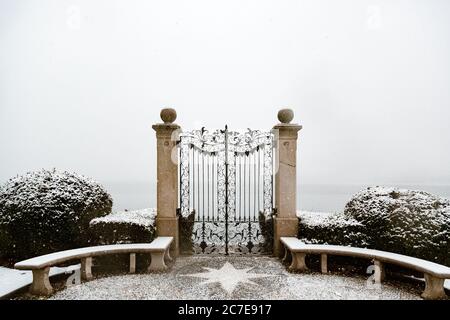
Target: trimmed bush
186, 230
136, 226
5, 243
266, 226
414, 223
124, 227
330, 228
48, 211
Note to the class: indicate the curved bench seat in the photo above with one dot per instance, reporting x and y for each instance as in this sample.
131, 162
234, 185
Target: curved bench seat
435, 274
158, 248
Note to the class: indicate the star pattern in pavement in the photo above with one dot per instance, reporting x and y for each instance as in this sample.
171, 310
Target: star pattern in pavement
228, 276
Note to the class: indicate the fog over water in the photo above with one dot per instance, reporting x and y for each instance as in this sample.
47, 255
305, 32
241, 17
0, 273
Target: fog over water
82, 81
327, 198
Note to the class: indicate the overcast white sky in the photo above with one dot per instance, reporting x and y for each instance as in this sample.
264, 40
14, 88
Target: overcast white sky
81, 83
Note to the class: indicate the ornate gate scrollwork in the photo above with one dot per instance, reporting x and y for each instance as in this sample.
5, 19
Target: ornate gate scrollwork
226, 178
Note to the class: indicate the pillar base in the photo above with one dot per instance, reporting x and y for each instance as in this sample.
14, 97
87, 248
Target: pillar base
168, 227
283, 227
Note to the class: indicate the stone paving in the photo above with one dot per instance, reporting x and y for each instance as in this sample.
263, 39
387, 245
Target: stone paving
233, 277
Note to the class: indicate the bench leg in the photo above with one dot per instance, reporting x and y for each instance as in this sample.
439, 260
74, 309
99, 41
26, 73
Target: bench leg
86, 268
157, 262
286, 255
323, 263
298, 262
132, 262
41, 283
379, 273
167, 255
434, 288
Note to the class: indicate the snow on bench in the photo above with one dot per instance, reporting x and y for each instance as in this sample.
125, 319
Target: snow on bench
14, 280
435, 274
158, 248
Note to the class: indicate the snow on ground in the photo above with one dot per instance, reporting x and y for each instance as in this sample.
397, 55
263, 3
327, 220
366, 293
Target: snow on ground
176, 284
267, 279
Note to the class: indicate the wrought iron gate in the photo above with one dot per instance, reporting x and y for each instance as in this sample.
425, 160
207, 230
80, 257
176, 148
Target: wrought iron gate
226, 179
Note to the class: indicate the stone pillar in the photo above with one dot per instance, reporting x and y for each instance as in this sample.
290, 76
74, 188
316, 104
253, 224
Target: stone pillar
167, 135
286, 221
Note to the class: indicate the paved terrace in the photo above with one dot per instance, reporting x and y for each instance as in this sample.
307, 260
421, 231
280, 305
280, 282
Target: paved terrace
203, 277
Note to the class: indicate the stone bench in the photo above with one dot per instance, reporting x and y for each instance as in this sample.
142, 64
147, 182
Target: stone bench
435, 274
40, 266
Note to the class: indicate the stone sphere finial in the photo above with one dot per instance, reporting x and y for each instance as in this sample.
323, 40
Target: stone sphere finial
285, 115
168, 115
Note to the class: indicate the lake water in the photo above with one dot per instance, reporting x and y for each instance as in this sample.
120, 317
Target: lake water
328, 198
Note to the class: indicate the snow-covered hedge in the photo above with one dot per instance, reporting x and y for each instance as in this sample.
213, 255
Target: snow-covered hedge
330, 228
124, 227
4, 243
47, 211
414, 223
186, 229
266, 225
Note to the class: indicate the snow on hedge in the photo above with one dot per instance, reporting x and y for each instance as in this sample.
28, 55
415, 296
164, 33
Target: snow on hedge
142, 217
317, 219
48, 210
409, 222
136, 226
375, 202
50, 189
330, 228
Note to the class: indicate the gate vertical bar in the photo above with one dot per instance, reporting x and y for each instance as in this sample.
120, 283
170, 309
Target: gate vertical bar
184, 179
226, 189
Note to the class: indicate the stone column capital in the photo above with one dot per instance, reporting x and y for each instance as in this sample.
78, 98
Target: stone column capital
287, 130
166, 130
